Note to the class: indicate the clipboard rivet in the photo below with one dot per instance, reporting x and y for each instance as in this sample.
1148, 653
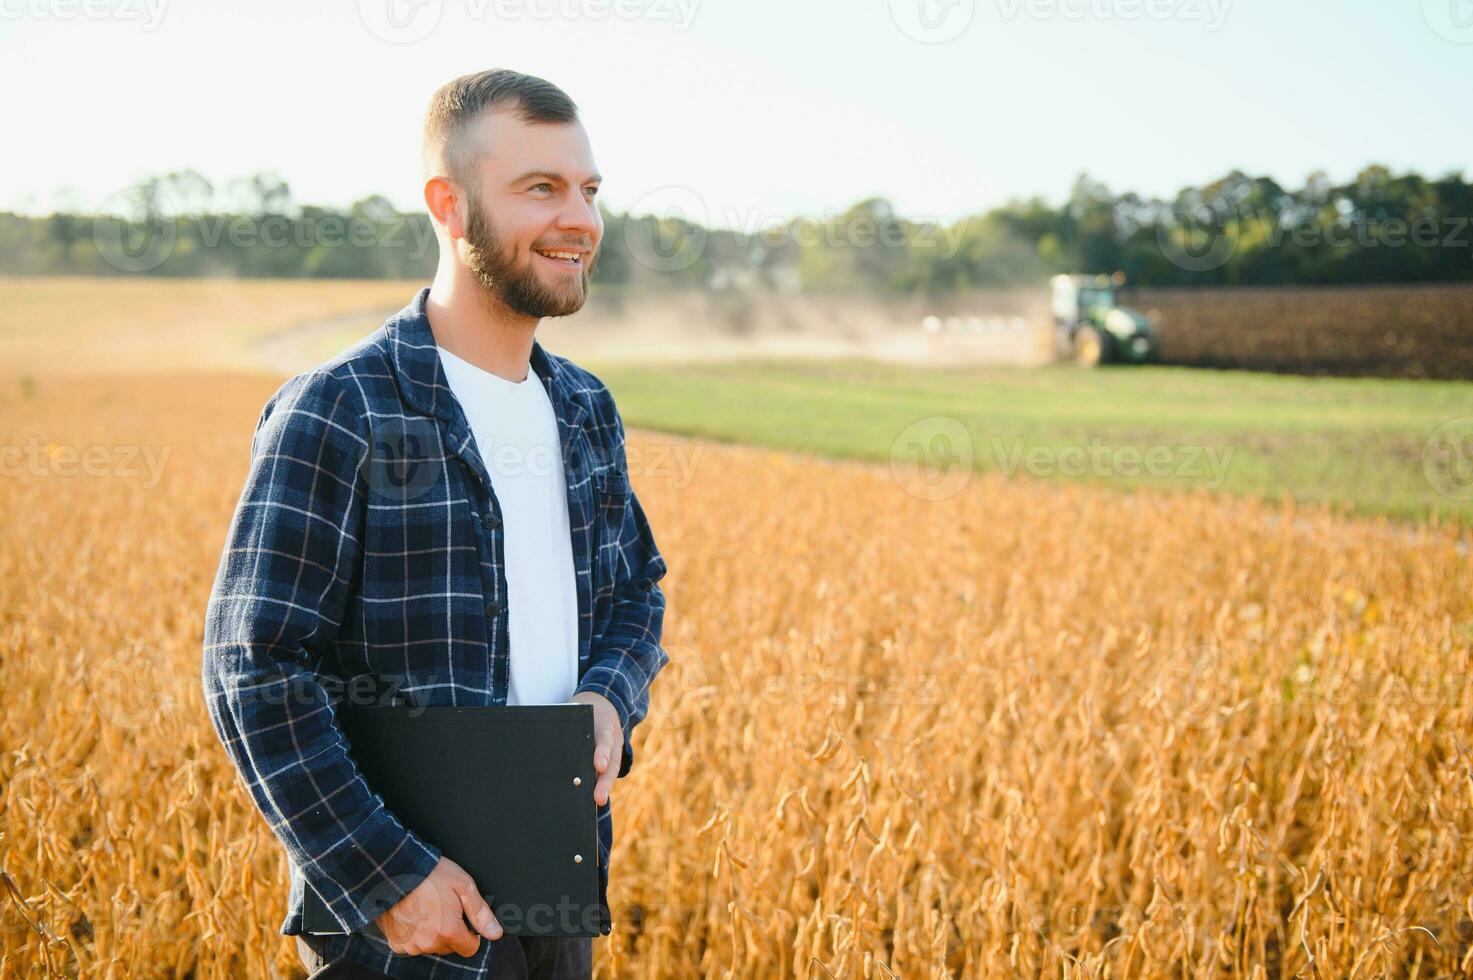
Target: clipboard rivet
577, 780
577, 859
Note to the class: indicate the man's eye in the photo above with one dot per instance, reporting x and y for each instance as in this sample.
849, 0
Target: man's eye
543, 184
591, 190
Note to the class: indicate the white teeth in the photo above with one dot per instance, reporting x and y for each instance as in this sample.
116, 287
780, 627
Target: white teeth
559, 255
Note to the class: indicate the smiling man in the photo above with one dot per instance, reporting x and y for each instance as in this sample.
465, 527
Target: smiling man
444, 509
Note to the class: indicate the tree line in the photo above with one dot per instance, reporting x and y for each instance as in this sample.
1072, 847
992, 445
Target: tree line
1379, 227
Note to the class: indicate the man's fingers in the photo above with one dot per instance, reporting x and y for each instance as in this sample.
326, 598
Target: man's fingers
605, 751
479, 913
431, 918
603, 764
460, 939
604, 786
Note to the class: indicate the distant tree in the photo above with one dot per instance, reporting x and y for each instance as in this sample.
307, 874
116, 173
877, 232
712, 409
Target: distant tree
1262, 232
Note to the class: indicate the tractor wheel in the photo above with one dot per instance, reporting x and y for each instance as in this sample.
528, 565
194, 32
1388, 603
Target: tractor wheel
1091, 349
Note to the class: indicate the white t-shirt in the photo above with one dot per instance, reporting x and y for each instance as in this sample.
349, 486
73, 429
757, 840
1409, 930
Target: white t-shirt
516, 433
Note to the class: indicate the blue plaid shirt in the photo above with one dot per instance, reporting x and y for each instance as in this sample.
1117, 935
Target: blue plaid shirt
366, 552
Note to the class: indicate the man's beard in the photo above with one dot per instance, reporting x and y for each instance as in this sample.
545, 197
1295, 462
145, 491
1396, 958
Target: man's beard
520, 289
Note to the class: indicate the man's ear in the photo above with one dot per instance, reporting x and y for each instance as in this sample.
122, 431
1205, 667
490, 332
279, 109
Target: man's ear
446, 205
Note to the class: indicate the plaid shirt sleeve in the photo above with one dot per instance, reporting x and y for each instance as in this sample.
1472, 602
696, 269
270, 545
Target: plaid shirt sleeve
277, 602
626, 653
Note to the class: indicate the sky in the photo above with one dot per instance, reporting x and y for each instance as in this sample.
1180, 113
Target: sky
742, 112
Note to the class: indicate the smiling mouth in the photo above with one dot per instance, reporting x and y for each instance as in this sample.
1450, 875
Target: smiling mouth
564, 258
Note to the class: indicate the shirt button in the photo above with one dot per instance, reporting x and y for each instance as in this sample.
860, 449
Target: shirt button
491, 521
493, 609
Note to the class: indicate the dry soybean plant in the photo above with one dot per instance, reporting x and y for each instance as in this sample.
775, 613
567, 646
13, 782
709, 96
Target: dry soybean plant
1027, 730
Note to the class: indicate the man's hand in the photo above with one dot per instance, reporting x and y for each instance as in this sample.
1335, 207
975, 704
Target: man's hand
608, 743
431, 919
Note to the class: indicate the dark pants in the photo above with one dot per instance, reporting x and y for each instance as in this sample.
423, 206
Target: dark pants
516, 958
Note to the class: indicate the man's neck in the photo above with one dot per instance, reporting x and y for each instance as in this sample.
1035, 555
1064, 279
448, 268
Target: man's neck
478, 328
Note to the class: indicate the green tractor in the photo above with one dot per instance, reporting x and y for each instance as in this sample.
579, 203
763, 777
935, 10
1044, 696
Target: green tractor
1092, 329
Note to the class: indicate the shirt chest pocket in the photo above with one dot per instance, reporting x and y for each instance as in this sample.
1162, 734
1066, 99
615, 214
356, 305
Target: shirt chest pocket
610, 502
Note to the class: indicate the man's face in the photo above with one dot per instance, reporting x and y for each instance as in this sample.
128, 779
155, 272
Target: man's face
535, 200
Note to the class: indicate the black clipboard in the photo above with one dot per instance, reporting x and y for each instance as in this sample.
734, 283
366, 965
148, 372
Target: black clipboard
506, 792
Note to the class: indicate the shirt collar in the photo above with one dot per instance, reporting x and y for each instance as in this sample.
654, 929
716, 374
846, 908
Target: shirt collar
422, 376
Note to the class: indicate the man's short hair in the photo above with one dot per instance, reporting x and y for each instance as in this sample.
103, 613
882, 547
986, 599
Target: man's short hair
460, 101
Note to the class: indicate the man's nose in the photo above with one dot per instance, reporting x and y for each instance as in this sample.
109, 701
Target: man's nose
579, 214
